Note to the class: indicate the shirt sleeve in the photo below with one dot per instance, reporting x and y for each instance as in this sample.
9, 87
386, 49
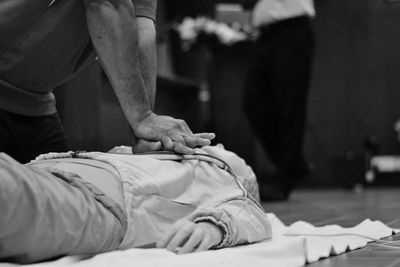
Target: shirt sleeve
145, 8
241, 221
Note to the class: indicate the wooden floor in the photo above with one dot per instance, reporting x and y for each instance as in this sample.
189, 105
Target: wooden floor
321, 207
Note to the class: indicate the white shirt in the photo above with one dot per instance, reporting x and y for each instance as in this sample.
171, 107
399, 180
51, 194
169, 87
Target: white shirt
269, 11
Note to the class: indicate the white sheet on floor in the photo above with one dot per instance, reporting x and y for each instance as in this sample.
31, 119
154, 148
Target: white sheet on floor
290, 246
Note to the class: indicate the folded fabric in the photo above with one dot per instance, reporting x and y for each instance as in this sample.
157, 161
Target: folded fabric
290, 246
325, 241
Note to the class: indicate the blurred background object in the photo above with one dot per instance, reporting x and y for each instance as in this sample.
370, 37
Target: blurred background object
354, 91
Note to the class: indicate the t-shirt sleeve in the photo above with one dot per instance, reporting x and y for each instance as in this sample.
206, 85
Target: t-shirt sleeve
145, 8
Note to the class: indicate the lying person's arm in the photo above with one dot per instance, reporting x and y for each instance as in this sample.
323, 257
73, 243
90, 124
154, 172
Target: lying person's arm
239, 221
186, 236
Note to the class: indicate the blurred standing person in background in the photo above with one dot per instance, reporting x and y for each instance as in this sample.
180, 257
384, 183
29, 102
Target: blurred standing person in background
277, 86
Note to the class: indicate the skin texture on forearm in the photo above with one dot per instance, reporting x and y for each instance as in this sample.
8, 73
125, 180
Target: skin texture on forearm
126, 49
147, 54
148, 64
113, 28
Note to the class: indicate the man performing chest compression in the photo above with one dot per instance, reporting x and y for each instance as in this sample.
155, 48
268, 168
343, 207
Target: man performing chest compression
44, 43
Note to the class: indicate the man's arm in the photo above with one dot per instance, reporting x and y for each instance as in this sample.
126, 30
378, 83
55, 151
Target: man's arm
147, 54
114, 30
148, 63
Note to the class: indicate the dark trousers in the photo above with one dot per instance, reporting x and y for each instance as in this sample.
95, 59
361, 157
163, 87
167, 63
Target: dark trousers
277, 86
25, 137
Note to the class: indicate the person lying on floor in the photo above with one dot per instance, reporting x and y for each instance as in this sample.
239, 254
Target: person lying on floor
92, 202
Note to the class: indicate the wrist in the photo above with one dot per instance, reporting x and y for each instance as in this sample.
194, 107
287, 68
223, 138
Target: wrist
138, 116
215, 231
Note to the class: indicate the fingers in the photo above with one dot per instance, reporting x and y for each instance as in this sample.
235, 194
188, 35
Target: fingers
196, 141
185, 144
183, 149
194, 240
143, 146
163, 242
183, 237
180, 237
177, 144
167, 143
199, 139
186, 236
209, 136
204, 245
174, 134
174, 237
177, 138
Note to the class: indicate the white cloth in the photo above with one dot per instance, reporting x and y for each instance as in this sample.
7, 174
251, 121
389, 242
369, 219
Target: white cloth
282, 250
269, 11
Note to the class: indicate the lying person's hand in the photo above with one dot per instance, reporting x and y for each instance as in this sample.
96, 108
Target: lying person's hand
186, 236
174, 135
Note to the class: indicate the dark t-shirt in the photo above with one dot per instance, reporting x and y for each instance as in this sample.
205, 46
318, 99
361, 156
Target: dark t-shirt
42, 46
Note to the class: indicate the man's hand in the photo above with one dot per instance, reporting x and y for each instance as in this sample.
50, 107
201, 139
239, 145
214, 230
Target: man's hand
186, 236
126, 49
140, 146
143, 146
174, 135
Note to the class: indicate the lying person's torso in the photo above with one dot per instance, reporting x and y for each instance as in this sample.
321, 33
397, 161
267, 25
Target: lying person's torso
100, 174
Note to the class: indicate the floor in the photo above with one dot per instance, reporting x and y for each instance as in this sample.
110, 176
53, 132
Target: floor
346, 208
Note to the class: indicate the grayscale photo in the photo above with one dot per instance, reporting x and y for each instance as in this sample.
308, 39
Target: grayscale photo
201, 133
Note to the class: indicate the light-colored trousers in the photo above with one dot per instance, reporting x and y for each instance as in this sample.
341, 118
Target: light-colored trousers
47, 214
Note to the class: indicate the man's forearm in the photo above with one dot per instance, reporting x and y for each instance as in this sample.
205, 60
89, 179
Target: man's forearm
113, 28
114, 31
148, 64
148, 56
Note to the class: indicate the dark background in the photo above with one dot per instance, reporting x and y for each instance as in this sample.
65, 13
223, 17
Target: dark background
355, 89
